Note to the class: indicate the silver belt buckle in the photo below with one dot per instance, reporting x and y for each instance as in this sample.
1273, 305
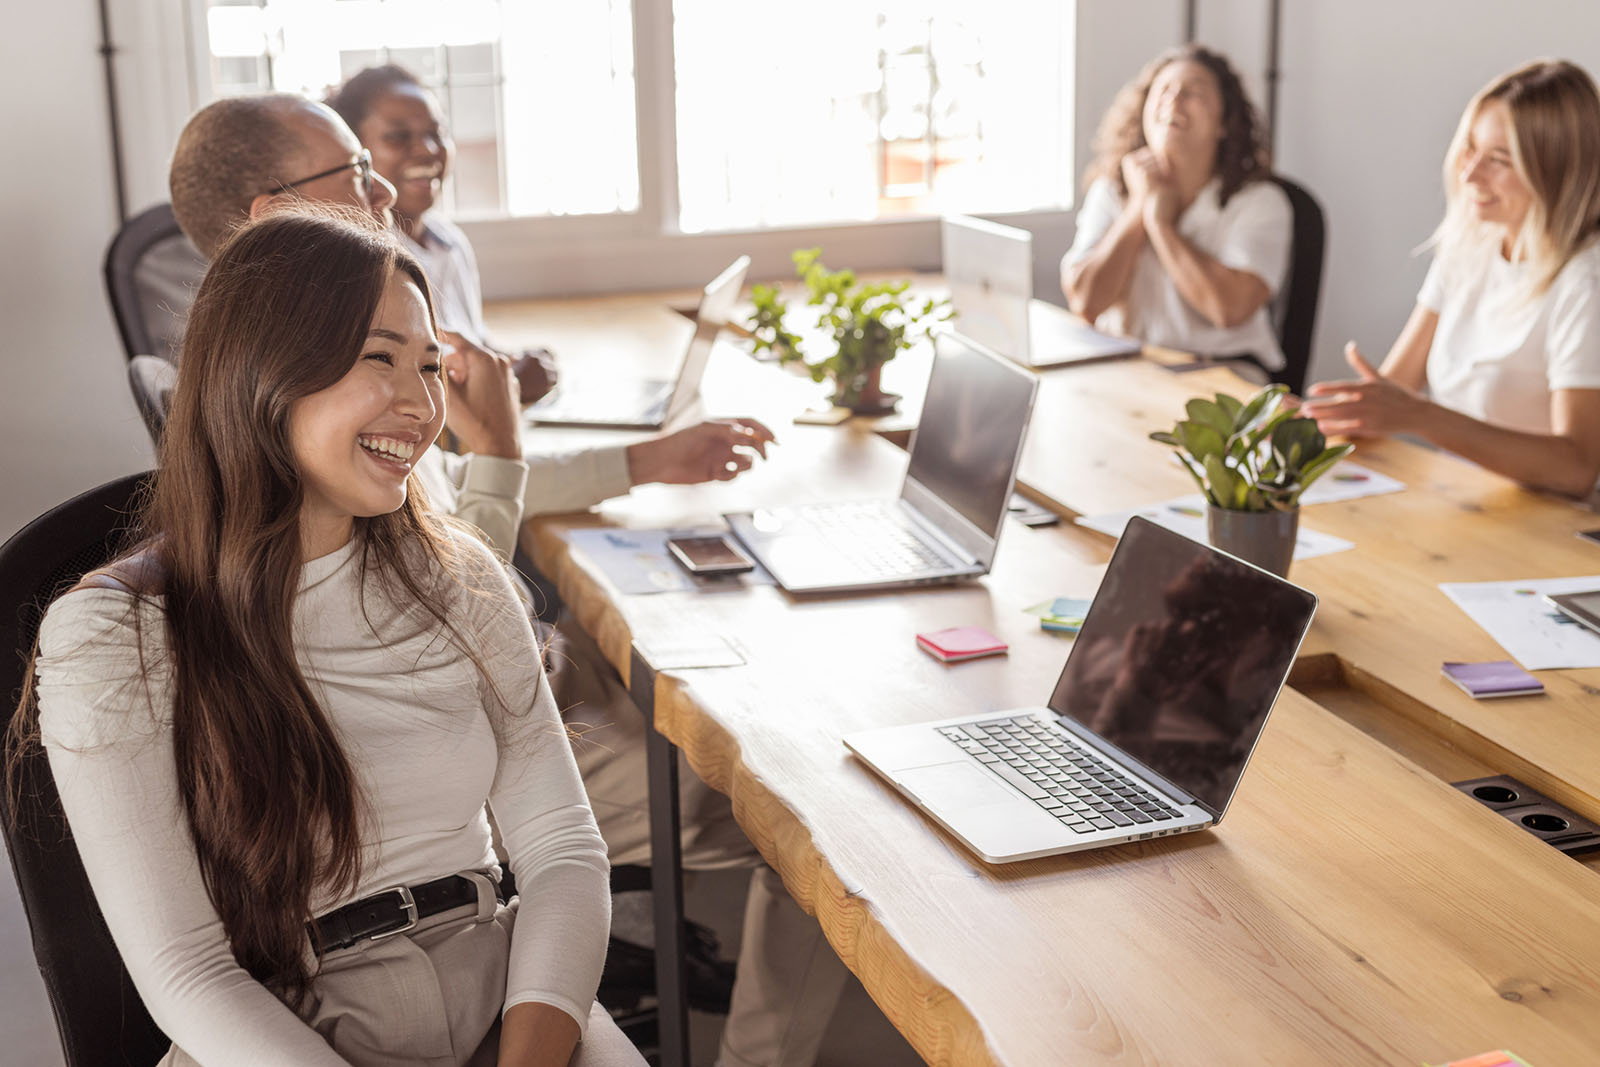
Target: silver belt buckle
409, 903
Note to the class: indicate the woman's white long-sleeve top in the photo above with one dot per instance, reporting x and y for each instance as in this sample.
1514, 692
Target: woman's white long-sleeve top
429, 743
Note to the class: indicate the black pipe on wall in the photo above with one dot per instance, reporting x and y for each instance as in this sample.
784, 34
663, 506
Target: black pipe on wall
107, 52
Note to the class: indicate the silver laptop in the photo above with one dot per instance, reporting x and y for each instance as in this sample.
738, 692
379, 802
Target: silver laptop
989, 268
946, 522
647, 404
1156, 713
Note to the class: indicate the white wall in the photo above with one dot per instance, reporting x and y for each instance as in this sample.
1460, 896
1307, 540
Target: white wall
69, 420
1369, 96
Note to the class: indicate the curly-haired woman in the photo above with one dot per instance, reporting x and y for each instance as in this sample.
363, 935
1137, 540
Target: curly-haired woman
1181, 239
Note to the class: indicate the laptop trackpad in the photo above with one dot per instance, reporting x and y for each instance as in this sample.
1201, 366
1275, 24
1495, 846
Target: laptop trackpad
956, 787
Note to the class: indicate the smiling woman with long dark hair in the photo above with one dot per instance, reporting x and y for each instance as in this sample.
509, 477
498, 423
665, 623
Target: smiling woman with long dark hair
278, 721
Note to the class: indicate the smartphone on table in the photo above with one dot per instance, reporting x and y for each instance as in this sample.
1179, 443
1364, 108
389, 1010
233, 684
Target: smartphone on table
710, 555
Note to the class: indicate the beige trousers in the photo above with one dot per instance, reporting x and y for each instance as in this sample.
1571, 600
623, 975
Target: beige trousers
789, 979
432, 997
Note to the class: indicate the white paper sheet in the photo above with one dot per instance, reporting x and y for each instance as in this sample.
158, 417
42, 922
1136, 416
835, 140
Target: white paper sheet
1349, 481
1187, 515
1534, 633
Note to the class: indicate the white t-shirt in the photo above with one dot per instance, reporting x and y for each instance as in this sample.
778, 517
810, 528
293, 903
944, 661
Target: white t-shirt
1497, 355
1252, 232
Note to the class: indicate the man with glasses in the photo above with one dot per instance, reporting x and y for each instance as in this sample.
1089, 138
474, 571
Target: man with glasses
236, 155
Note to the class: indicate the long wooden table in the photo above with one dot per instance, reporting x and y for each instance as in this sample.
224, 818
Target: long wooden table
1352, 908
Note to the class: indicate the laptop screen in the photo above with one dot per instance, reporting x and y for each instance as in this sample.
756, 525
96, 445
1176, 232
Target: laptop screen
1182, 657
989, 269
973, 418
716, 308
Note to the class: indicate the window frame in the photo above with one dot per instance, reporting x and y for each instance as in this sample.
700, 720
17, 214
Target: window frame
526, 257
643, 250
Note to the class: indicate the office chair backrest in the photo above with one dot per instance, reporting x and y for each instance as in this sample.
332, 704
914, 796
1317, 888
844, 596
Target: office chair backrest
152, 380
99, 1015
137, 295
1295, 315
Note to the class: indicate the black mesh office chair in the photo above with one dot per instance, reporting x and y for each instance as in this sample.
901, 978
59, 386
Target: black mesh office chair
152, 380
147, 265
1295, 315
149, 232
98, 1014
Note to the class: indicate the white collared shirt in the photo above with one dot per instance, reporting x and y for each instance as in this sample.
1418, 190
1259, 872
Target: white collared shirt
452, 270
1252, 232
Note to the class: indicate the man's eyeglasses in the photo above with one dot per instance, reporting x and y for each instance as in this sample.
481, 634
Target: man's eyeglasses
362, 165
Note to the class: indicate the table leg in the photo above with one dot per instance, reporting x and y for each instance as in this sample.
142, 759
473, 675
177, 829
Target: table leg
666, 872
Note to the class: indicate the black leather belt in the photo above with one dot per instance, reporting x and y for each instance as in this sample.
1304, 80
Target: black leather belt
391, 911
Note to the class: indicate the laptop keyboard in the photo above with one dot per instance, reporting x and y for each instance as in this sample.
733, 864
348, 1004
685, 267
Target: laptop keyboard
1069, 780
869, 536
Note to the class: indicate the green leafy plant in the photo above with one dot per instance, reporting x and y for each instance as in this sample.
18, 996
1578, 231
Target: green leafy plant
870, 322
1251, 456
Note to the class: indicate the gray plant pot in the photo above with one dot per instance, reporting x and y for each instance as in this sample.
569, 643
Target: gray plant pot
1265, 538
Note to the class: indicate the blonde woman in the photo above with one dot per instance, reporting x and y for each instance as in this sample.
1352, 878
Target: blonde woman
1500, 360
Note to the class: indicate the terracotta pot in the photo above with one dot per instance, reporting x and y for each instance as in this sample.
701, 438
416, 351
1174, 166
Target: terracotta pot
864, 395
1265, 538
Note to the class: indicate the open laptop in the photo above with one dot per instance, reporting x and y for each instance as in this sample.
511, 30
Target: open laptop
1156, 713
647, 404
989, 269
946, 522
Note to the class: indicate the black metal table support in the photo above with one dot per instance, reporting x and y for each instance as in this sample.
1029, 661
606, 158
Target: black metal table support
666, 871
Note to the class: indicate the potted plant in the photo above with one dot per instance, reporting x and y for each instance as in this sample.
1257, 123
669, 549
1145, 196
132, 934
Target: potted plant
1252, 460
869, 322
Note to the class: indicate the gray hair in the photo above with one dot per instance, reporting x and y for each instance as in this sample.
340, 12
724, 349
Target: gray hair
228, 154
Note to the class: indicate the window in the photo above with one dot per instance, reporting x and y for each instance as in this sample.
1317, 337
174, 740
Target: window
491, 65
744, 116
843, 110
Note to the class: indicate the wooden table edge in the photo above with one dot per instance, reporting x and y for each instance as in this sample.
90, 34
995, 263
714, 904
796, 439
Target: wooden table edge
848, 921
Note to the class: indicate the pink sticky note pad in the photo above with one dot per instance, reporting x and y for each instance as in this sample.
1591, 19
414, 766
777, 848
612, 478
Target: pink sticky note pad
959, 643
1498, 1058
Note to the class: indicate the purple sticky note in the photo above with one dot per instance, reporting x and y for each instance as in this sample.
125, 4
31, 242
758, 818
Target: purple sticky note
1499, 678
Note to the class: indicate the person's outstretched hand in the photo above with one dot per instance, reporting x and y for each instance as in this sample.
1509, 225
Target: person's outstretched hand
716, 450
1367, 406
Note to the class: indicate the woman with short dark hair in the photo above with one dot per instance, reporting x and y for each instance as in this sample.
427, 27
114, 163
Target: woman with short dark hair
1181, 240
